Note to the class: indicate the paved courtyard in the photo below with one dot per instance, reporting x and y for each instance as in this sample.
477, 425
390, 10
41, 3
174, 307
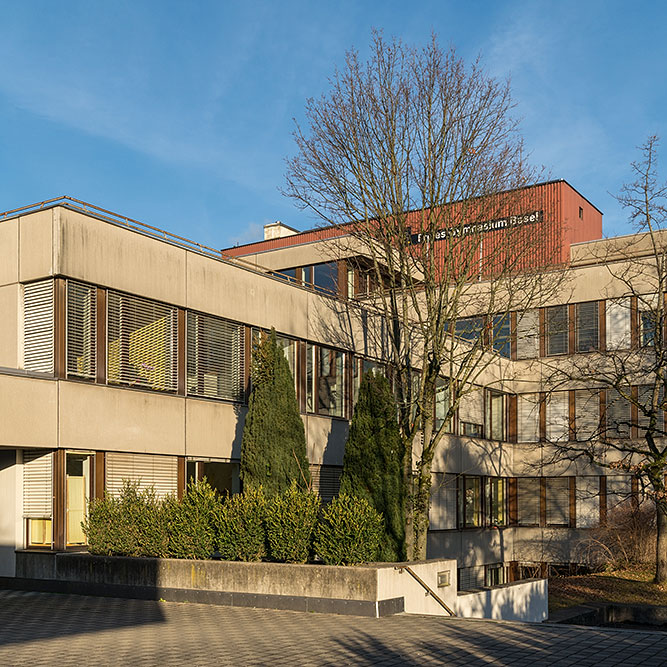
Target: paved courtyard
52, 629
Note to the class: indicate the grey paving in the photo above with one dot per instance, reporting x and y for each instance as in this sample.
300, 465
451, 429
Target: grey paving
52, 629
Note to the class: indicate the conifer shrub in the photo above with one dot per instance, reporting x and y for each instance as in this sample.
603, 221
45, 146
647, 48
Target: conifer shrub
349, 532
373, 462
291, 517
192, 521
132, 524
273, 448
240, 530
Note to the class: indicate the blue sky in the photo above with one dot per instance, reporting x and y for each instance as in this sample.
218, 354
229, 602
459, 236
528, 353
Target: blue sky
180, 114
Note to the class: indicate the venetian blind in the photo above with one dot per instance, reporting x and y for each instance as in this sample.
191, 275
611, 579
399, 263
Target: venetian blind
442, 513
528, 501
557, 329
618, 324
38, 324
588, 501
325, 481
617, 415
586, 413
471, 407
146, 470
558, 500
587, 326
528, 334
81, 300
528, 413
37, 483
645, 400
215, 357
557, 416
142, 346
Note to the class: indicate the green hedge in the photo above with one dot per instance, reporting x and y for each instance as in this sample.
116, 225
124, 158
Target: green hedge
349, 532
240, 526
290, 520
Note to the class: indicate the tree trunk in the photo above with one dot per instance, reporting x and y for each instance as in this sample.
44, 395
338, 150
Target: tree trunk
409, 497
661, 544
422, 505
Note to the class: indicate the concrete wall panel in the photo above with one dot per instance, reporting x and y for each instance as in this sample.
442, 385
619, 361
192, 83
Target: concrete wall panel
214, 429
9, 312
9, 251
36, 245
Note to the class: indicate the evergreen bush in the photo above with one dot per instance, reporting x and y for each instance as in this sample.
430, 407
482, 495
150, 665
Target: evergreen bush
291, 517
240, 526
273, 449
373, 462
192, 521
349, 532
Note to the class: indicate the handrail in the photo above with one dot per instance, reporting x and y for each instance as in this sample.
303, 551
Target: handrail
426, 587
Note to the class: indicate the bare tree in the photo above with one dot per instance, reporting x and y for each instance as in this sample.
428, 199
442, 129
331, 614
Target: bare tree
418, 159
631, 368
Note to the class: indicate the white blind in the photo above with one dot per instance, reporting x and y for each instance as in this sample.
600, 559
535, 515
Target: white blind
81, 316
471, 407
618, 324
557, 329
587, 321
558, 500
142, 347
528, 500
325, 481
37, 483
586, 413
528, 334
147, 470
528, 414
557, 417
38, 326
588, 502
215, 357
618, 414
645, 400
442, 515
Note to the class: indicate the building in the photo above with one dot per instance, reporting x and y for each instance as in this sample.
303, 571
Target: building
125, 352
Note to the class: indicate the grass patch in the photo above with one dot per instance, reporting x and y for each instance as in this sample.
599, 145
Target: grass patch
623, 586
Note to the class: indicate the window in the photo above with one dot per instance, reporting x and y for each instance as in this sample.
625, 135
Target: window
215, 357
528, 334
648, 319
38, 496
618, 416
442, 513
331, 382
528, 417
657, 410
495, 575
325, 277
471, 501
557, 330
581, 213
470, 328
501, 335
495, 493
495, 419
146, 470
588, 501
81, 318
78, 477
586, 413
471, 413
310, 377
288, 347
558, 417
223, 476
142, 347
442, 404
38, 326
587, 326
528, 501
558, 501
618, 324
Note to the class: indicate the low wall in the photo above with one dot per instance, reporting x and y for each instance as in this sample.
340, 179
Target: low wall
601, 614
425, 587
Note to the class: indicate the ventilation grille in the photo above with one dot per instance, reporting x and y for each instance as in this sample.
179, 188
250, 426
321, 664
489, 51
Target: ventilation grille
81, 309
38, 326
215, 357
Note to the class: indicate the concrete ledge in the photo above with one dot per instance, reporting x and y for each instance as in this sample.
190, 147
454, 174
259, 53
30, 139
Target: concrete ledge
601, 614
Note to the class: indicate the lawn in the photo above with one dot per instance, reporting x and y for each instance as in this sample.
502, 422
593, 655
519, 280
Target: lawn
623, 586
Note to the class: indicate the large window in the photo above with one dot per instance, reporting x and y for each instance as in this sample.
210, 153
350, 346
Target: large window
587, 326
81, 318
325, 277
142, 346
557, 330
215, 356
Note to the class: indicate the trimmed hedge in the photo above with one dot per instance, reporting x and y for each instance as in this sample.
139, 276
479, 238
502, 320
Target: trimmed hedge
241, 534
290, 520
349, 532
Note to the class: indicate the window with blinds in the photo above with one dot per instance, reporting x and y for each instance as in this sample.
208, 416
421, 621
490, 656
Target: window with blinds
617, 415
647, 408
647, 305
81, 317
495, 417
442, 513
528, 501
500, 331
469, 328
557, 330
471, 413
38, 322
586, 326
528, 417
528, 334
618, 324
330, 382
38, 496
619, 492
586, 413
145, 470
142, 347
215, 357
325, 481
558, 501
558, 417
588, 501
442, 404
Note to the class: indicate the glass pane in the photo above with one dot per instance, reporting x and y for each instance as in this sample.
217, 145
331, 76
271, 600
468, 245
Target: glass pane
78, 484
310, 376
469, 328
325, 276
587, 326
472, 501
330, 383
557, 330
501, 335
496, 501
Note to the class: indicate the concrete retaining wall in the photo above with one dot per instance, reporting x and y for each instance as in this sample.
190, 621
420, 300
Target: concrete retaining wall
520, 601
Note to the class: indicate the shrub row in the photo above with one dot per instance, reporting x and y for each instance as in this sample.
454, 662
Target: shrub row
288, 527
